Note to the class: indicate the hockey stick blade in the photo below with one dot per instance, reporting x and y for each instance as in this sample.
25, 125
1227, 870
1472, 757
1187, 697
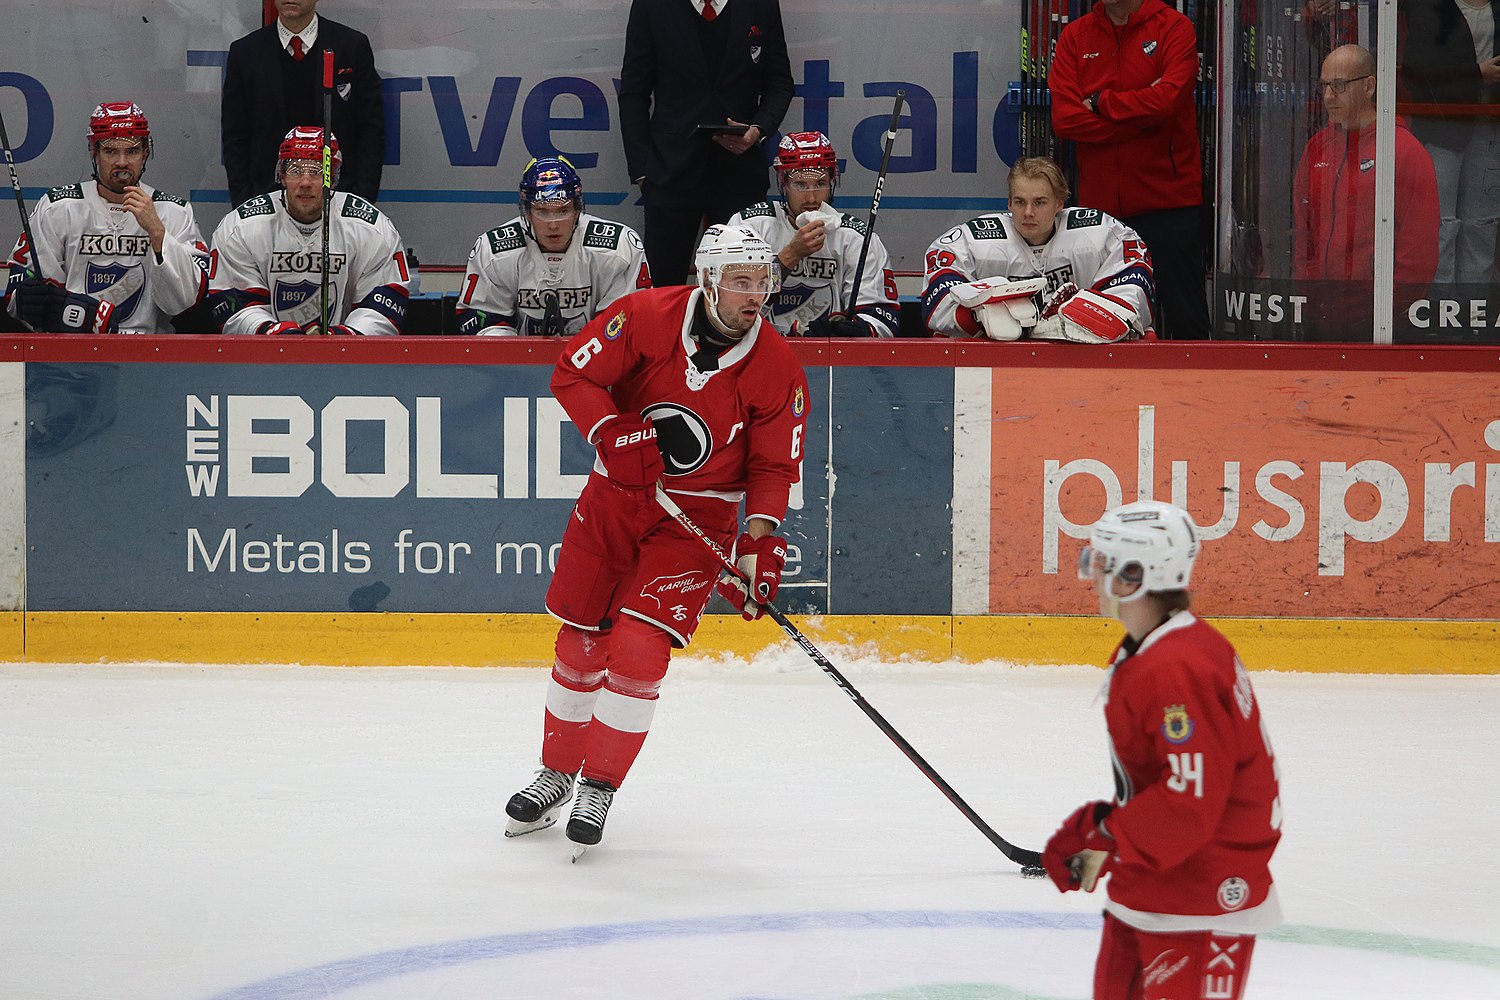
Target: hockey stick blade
1030, 861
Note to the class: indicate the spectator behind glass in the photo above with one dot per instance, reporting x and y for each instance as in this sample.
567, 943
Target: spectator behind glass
552, 268
1122, 89
687, 64
1450, 59
818, 249
1333, 208
273, 82
112, 254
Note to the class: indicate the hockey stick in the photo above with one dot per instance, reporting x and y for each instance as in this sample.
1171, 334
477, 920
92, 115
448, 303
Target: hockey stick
15, 184
864, 248
1030, 861
323, 316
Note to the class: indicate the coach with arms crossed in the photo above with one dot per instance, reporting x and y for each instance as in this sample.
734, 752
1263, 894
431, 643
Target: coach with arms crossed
689, 63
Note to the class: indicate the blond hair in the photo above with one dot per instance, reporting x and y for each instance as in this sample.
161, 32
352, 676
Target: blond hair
1040, 168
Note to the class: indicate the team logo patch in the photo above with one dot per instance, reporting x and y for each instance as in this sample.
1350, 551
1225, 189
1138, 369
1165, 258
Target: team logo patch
799, 403
615, 326
1079, 218
289, 296
1175, 724
682, 435
1366, 165
1148, 47
1234, 892
344, 90
101, 277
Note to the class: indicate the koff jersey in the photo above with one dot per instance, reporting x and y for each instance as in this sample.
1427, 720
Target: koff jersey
514, 287
99, 249
1198, 814
1088, 248
266, 267
820, 283
732, 432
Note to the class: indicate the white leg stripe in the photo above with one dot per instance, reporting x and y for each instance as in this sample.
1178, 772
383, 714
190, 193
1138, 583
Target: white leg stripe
569, 705
628, 715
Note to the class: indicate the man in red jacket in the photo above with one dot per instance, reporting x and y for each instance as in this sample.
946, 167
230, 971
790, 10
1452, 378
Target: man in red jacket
1333, 240
1122, 89
1188, 837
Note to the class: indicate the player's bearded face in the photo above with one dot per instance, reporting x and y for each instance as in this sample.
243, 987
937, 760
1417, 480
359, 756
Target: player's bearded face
553, 223
742, 292
304, 190
805, 190
119, 163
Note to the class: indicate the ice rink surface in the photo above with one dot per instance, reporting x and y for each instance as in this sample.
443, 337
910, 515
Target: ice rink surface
175, 832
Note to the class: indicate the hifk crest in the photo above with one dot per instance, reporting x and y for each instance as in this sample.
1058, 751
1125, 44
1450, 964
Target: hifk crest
1148, 47
1175, 724
290, 296
99, 278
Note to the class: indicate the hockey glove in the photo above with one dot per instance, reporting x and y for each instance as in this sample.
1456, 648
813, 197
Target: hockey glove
1090, 317
1004, 308
828, 326
759, 560
315, 329
1055, 301
38, 300
632, 461
1080, 852
272, 327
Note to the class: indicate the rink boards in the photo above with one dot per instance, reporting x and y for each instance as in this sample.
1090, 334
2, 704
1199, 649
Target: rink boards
209, 499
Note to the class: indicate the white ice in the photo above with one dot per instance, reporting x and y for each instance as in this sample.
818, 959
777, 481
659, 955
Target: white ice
178, 832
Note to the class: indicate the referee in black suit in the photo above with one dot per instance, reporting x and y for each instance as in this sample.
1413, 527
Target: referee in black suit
699, 62
273, 82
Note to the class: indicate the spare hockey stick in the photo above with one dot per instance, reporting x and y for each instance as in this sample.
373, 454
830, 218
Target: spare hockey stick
864, 248
15, 184
1030, 861
323, 315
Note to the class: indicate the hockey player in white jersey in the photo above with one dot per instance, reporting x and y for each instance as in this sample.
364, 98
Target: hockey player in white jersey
113, 255
266, 266
818, 248
551, 269
1039, 270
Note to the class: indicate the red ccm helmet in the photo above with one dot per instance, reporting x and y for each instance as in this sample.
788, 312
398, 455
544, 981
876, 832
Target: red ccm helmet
806, 151
305, 142
118, 119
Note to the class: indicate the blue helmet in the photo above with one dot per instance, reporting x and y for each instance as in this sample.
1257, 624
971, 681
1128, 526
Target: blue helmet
550, 178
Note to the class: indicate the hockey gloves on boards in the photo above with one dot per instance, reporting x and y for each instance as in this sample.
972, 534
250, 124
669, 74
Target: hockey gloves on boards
632, 461
1004, 308
1088, 317
311, 329
1080, 852
829, 326
48, 307
760, 561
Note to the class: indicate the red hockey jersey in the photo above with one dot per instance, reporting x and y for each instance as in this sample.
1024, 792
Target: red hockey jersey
734, 432
1197, 814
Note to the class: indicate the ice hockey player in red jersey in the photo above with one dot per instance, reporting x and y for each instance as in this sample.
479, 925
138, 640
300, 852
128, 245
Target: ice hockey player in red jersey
687, 386
1188, 837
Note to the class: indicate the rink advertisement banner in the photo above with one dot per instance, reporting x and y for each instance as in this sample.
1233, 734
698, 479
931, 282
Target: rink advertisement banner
1360, 494
474, 90
1285, 310
317, 488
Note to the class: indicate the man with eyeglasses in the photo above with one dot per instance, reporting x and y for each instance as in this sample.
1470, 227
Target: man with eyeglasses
689, 387
552, 268
267, 262
1333, 239
818, 247
113, 255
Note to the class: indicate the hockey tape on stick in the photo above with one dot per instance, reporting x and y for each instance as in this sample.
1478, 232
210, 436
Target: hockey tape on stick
1021, 856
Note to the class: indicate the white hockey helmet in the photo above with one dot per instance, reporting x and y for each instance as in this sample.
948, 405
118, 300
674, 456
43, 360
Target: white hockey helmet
726, 247
1148, 542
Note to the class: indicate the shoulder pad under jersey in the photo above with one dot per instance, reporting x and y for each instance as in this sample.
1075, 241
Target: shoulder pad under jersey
602, 234
259, 205
505, 238
65, 191
356, 207
760, 208
1082, 218
986, 227
160, 195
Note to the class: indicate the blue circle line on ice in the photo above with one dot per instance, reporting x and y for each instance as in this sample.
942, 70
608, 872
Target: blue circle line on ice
334, 977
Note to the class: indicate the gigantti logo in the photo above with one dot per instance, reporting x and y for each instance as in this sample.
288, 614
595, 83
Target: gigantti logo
284, 446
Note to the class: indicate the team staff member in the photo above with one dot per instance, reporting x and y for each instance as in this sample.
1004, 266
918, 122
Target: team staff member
1122, 90
267, 262
1188, 837
1039, 270
552, 268
113, 255
691, 387
818, 248
688, 64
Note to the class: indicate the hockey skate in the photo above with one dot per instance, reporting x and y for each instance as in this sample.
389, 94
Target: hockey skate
537, 806
590, 809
